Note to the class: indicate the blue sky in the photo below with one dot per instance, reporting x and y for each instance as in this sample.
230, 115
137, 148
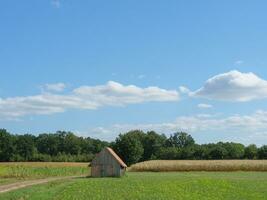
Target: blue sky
67, 65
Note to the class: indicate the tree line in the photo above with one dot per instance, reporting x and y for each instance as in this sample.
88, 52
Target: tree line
133, 146
61, 146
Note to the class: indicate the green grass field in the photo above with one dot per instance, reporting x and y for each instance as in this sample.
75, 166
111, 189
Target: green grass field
149, 185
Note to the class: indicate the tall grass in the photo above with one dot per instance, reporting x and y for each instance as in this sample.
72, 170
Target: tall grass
41, 169
200, 165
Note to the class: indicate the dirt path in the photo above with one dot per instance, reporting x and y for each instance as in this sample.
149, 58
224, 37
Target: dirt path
18, 185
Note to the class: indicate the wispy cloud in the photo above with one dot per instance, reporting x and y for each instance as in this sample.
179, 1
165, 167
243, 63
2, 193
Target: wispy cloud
141, 76
84, 97
56, 87
56, 3
204, 106
239, 62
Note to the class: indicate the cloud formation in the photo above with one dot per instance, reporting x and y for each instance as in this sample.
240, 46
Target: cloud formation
233, 86
84, 97
249, 127
184, 90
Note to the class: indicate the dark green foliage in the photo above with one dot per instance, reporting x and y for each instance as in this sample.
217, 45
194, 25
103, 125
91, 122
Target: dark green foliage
200, 152
60, 147
152, 145
70, 144
133, 146
48, 144
170, 153
180, 139
129, 146
6, 146
25, 146
235, 150
218, 152
188, 152
251, 151
262, 153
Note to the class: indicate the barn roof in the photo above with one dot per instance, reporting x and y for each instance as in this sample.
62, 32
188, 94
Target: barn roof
116, 157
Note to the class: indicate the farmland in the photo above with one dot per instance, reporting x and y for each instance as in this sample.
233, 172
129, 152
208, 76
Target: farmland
148, 185
200, 165
10, 172
184, 180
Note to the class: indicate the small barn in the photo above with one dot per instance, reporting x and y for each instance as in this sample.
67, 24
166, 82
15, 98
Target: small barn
107, 164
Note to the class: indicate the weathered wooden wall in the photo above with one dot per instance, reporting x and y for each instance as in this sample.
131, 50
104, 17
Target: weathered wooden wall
104, 165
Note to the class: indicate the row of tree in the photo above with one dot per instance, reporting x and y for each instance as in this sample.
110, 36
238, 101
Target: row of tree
59, 146
133, 146
136, 146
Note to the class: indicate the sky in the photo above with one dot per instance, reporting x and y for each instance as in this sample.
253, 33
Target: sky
100, 68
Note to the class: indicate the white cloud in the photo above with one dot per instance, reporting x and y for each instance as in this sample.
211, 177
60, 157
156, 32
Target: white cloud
204, 106
84, 97
242, 128
184, 90
233, 86
239, 62
57, 87
114, 93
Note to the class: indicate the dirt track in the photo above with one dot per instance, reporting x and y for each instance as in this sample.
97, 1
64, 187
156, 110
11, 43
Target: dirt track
22, 184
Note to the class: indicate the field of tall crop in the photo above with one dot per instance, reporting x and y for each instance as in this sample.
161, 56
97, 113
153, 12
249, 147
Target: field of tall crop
199, 165
150, 185
34, 170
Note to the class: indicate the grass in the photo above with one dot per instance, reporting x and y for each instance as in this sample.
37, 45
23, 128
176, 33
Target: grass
156, 186
33, 170
4, 181
200, 165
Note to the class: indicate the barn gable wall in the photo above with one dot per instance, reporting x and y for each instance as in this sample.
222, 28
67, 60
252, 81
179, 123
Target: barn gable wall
105, 165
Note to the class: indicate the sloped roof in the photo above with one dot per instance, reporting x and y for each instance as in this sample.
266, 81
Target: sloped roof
116, 157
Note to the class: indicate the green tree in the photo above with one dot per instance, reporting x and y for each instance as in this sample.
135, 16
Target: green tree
251, 151
180, 139
262, 152
129, 147
25, 146
7, 147
98, 145
170, 153
48, 144
152, 143
217, 152
200, 152
71, 144
235, 150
